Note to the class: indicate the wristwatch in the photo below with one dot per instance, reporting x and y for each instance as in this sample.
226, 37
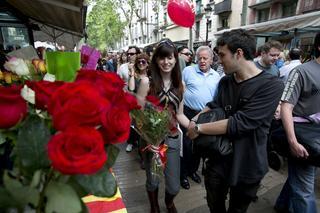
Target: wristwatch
197, 128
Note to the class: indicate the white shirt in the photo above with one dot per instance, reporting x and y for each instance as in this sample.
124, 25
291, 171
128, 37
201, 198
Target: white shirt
123, 72
285, 70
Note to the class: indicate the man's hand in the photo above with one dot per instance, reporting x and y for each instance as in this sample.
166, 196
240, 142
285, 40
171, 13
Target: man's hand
192, 134
131, 69
298, 150
277, 114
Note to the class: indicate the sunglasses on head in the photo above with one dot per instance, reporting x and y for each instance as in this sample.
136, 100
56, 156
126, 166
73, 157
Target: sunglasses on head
142, 61
131, 54
166, 42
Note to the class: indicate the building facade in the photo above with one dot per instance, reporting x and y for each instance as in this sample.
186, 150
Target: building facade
292, 22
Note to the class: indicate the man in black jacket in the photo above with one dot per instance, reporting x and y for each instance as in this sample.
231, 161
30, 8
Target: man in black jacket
252, 96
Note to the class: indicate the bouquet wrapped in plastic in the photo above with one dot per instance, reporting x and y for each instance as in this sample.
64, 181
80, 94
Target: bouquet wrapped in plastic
153, 124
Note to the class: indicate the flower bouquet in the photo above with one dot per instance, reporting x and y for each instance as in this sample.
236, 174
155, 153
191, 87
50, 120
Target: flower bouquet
153, 124
58, 147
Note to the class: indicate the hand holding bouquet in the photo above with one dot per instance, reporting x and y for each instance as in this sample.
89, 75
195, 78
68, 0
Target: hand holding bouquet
153, 124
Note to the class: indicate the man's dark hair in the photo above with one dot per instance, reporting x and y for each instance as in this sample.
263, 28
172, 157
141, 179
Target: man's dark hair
317, 45
236, 39
138, 51
295, 54
182, 48
271, 44
148, 50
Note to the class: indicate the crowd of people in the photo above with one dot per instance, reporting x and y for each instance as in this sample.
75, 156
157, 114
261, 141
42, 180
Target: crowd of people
257, 89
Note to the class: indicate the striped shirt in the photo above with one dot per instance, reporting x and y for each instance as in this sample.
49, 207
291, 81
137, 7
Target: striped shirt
169, 99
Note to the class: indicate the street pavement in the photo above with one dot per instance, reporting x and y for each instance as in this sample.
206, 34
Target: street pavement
131, 180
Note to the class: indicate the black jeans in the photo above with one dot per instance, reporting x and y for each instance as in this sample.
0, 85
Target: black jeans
134, 137
217, 187
189, 162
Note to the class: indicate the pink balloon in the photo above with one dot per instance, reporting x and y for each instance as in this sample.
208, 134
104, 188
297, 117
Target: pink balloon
181, 12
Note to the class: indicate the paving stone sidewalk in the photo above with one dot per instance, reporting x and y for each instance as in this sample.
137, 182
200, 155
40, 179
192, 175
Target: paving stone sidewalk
131, 180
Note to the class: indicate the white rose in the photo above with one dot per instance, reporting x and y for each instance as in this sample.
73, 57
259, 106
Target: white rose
49, 77
28, 94
18, 66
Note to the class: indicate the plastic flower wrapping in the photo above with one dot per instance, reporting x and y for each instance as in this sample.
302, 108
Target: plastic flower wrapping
154, 123
57, 138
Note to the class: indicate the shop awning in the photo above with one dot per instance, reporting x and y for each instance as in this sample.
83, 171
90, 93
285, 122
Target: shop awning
61, 21
65, 15
309, 22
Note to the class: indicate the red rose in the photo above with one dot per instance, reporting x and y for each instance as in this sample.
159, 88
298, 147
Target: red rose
78, 150
13, 107
76, 104
107, 83
126, 101
43, 91
115, 125
153, 99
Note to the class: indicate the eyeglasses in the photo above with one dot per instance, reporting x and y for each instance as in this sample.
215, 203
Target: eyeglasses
131, 54
187, 54
142, 61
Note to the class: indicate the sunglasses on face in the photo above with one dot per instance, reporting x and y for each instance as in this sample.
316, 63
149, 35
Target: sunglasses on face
187, 54
142, 61
131, 54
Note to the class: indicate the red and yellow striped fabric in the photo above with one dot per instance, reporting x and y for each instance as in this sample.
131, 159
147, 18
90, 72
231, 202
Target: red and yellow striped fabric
105, 205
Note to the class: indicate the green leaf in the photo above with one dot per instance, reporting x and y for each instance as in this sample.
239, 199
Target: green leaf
77, 187
31, 144
62, 198
6, 200
36, 179
112, 152
2, 138
20, 193
101, 184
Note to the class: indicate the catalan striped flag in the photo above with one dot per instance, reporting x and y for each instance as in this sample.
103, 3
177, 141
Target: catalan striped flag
105, 205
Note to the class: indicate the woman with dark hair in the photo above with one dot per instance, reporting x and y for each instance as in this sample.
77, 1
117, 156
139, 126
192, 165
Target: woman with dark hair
122, 59
138, 72
166, 83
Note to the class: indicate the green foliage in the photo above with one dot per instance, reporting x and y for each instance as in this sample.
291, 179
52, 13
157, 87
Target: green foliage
112, 152
152, 124
62, 198
101, 184
104, 27
18, 192
31, 144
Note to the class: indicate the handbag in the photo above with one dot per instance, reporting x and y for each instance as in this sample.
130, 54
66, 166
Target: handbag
307, 134
208, 145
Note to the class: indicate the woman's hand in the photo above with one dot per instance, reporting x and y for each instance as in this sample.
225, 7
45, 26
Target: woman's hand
153, 149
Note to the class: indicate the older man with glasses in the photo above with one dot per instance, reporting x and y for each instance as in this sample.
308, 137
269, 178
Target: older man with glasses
201, 82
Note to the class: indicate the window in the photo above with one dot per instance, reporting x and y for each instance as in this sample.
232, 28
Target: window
263, 15
289, 9
198, 7
308, 3
15, 37
197, 30
165, 18
224, 22
209, 25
